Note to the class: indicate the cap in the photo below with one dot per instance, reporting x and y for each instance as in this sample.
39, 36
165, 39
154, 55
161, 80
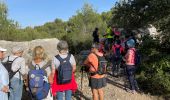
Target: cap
16, 49
2, 49
131, 43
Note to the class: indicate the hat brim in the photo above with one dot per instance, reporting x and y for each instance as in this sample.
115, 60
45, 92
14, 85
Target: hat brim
2, 49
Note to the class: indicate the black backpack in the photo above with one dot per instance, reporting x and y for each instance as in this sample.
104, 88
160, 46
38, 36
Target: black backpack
117, 52
102, 66
8, 66
64, 70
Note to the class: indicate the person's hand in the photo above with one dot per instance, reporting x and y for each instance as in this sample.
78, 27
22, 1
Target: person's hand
51, 78
25, 78
5, 89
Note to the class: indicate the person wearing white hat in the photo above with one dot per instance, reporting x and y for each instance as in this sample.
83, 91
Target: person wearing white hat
18, 66
4, 78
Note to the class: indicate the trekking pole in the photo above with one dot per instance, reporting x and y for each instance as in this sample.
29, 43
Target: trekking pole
81, 89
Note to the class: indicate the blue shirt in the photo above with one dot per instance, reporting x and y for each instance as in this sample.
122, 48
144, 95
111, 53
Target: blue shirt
4, 81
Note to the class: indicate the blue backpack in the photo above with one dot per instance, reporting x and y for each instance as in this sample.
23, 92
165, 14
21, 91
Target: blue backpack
64, 71
38, 87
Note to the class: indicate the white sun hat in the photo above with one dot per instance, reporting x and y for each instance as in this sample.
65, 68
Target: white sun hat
2, 49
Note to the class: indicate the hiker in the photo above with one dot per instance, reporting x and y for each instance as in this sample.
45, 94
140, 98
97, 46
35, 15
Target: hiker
62, 77
101, 46
39, 68
109, 38
17, 71
129, 36
117, 51
95, 35
96, 81
4, 78
116, 34
130, 65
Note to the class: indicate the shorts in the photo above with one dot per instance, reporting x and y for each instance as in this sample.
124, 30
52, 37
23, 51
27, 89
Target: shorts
95, 83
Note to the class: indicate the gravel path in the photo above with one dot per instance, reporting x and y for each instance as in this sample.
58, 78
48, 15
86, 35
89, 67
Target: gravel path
114, 90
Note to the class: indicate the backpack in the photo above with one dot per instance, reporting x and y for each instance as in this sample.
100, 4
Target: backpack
102, 66
38, 87
117, 52
64, 71
137, 57
8, 66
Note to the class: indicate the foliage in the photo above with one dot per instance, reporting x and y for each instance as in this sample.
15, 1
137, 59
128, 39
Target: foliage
139, 13
77, 30
154, 71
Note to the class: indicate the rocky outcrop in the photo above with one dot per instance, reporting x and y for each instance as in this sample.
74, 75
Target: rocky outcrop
50, 46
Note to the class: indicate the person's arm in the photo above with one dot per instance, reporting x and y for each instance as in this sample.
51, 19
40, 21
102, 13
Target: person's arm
51, 75
5, 89
73, 63
1, 85
17, 64
23, 67
4, 83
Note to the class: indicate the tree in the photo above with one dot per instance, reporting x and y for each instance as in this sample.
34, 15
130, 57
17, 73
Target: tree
139, 13
86, 20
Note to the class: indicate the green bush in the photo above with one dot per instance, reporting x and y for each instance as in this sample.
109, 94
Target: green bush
154, 74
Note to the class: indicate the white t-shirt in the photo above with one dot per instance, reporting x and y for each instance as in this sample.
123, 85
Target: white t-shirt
19, 63
56, 62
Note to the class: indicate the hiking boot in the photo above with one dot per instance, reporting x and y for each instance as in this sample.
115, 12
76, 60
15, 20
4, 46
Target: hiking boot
138, 90
133, 91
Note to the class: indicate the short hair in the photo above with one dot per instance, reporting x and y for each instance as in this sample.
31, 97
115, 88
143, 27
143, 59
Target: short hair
39, 53
62, 46
96, 29
17, 49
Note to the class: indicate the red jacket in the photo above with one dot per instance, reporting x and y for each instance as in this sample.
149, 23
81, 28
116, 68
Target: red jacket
63, 87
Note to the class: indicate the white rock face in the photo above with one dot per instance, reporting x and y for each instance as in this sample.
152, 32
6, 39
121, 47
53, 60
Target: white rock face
50, 46
152, 31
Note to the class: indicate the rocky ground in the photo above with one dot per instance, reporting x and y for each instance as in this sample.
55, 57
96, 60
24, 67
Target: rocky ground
115, 90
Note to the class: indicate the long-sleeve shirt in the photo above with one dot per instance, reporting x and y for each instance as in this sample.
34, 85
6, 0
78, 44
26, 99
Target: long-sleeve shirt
19, 63
4, 81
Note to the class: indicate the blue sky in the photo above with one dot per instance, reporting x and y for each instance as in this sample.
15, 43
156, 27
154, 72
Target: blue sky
38, 12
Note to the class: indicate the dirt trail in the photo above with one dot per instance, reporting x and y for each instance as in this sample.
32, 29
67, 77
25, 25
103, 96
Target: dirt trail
114, 90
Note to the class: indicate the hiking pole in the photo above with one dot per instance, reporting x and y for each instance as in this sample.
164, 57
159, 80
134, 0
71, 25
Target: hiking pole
81, 87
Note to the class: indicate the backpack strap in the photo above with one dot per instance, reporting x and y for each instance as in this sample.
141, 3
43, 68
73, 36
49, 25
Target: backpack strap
61, 59
93, 66
14, 59
11, 67
48, 64
37, 65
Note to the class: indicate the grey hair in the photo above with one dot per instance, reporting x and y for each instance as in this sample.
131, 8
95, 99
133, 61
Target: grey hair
62, 46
